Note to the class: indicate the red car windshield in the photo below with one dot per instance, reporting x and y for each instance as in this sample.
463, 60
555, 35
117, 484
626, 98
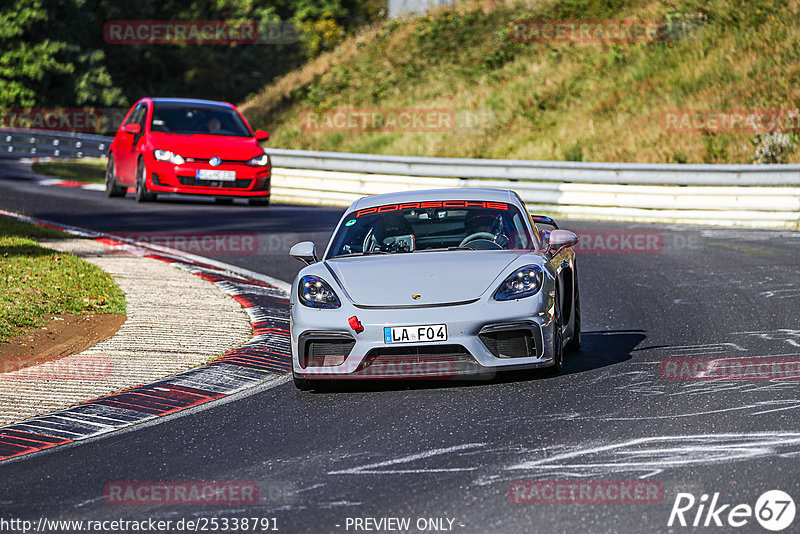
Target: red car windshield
189, 119
429, 226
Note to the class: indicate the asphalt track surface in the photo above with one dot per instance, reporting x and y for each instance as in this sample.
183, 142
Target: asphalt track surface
452, 450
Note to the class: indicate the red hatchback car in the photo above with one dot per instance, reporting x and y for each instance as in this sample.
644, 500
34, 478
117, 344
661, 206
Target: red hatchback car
198, 147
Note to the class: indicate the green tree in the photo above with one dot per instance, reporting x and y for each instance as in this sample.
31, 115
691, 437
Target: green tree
44, 60
53, 52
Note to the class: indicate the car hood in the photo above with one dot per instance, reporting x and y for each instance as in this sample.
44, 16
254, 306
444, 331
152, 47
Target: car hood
207, 146
437, 277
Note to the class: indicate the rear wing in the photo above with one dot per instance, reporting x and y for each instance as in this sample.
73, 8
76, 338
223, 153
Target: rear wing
543, 219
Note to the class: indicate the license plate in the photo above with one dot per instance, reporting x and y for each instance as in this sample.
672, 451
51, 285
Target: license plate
414, 334
211, 174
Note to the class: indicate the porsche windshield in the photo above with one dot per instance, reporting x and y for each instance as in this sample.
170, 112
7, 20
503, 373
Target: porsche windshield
429, 226
188, 119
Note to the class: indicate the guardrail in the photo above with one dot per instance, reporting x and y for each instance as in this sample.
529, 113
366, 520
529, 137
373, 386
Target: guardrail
749, 195
773, 207
546, 171
22, 143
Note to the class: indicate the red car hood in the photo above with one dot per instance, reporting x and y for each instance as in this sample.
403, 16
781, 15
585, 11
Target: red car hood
203, 146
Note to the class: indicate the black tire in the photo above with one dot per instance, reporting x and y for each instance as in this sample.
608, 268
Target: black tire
142, 194
223, 201
574, 344
300, 383
112, 188
558, 341
263, 202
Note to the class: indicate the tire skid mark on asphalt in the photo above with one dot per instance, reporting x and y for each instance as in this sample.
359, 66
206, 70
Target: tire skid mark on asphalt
385, 467
752, 345
652, 455
265, 356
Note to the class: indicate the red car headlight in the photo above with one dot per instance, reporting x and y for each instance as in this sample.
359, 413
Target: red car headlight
259, 161
165, 155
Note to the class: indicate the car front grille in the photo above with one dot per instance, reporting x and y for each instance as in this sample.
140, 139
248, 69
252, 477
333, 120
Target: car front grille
224, 161
325, 351
234, 184
513, 343
418, 362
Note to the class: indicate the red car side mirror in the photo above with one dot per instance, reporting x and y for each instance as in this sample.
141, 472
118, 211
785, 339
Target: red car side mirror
261, 135
132, 128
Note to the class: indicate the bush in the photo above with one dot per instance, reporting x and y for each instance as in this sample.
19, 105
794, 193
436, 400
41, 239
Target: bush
772, 147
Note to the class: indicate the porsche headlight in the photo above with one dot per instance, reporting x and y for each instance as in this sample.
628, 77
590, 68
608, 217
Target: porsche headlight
315, 292
522, 283
259, 161
165, 155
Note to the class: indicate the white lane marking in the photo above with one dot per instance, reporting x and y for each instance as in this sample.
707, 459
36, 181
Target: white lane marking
375, 468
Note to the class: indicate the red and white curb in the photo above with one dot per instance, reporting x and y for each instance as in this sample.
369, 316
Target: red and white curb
69, 183
264, 357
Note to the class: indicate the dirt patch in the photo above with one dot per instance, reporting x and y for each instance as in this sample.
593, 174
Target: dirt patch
64, 335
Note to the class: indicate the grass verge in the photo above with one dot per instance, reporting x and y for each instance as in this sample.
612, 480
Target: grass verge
92, 171
550, 100
37, 282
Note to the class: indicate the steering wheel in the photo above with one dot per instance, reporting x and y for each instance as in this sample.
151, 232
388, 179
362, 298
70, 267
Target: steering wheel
370, 243
499, 240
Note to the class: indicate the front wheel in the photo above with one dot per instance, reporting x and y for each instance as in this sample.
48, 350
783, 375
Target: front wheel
112, 188
558, 340
142, 194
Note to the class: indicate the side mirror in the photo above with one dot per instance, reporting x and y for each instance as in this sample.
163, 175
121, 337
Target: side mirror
132, 128
305, 252
261, 135
562, 238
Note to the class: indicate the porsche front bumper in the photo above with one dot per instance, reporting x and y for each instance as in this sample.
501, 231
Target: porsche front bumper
483, 337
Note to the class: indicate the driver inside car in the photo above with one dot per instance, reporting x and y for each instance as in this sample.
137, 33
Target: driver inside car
485, 226
392, 234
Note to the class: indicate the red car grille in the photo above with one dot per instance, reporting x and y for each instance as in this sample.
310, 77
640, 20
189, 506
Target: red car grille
236, 184
205, 160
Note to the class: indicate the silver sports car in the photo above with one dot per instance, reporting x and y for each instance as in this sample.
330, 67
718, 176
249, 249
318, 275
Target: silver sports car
448, 283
